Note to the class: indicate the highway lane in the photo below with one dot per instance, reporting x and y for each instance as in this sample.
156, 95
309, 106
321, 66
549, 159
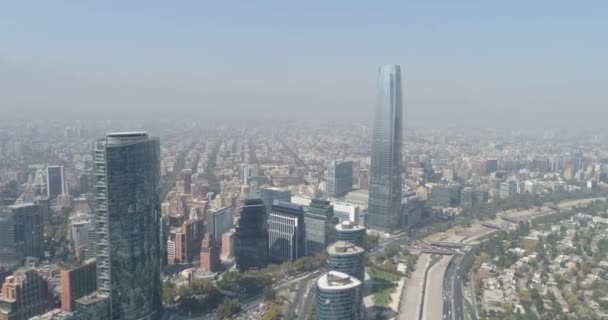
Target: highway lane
308, 303
472, 297
447, 291
458, 308
453, 308
302, 295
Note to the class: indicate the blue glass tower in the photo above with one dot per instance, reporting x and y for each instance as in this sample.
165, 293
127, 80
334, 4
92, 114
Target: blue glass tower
385, 172
127, 168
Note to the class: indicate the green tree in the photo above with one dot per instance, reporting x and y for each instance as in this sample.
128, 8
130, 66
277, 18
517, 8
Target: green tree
269, 294
228, 308
372, 241
169, 292
602, 246
273, 313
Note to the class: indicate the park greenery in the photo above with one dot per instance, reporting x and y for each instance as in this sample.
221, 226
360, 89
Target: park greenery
203, 296
228, 308
384, 274
273, 312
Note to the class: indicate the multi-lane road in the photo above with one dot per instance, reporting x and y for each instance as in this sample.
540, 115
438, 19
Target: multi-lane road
452, 290
304, 295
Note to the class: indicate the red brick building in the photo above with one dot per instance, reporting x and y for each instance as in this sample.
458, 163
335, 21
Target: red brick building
77, 282
188, 240
24, 295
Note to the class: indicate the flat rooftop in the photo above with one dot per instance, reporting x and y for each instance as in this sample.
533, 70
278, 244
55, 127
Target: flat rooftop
344, 248
334, 280
123, 138
22, 205
267, 187
127, 134
349, 225
91, 298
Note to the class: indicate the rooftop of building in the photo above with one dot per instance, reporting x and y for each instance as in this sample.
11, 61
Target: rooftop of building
286, 205
349, 225
22, 205
344, 248
320, 202
67, 267
91, 298
126, 134
55, 314
125, 138
334, 280
219, 210
253, 196
267, 187
360, 196
343, 160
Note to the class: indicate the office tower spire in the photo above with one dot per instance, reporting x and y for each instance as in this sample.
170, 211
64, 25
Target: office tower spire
385, 174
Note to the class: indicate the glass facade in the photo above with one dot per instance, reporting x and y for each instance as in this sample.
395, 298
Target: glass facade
128, 227
318, 222
385, 176
219, 221
286, 232
55, 183
21, 233
351, 232
251, 238
347, 258
339, 297
446, 195
270, 194
339, 178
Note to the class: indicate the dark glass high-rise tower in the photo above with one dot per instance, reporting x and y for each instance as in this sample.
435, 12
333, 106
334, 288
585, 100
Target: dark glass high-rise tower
387, 136
55, 181
128, 229
21, 234
339, 177
251, 239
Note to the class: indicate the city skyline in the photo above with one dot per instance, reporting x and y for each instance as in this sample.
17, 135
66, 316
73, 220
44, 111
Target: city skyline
340, 160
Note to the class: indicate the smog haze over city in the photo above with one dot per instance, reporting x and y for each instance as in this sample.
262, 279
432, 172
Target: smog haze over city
517, 64
322, 160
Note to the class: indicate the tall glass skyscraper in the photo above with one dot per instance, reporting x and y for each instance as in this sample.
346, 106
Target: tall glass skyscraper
387, 136
127, 167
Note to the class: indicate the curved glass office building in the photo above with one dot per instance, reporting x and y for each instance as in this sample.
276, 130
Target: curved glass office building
347, 258
339, 297
351, 232
387, 136
127, 167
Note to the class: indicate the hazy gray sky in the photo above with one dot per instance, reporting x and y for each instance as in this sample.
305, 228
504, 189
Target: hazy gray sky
519, 63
